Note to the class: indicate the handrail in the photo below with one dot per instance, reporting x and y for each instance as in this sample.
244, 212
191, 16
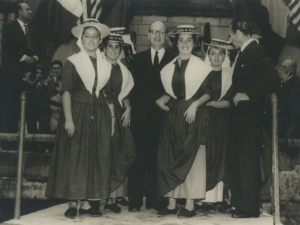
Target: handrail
275, 169
20, 157
28, 137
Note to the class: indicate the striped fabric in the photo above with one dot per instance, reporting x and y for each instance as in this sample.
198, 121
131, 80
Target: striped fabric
294, 7
91, 9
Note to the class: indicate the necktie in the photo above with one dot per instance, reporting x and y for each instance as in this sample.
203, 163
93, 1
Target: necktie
156, 61
28, 42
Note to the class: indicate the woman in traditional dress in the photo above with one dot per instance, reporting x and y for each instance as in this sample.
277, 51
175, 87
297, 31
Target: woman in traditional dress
184, 135
81, 161
123, 149
218, 108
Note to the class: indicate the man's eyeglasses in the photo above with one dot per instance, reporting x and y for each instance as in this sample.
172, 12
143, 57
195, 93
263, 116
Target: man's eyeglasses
159, 32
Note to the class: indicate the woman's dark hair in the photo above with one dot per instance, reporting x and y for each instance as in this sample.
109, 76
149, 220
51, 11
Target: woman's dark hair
244, 26
220, 49
175, 43
105, 42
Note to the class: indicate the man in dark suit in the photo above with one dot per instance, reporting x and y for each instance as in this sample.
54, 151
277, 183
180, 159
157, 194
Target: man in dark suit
254, 77
289, 100
19, 63
147, 117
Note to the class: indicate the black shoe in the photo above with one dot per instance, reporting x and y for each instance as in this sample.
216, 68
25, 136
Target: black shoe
122, 201
199, 207
155, 206
166, 211
184, 214
133, 209
227, 209
91, 211
209, 207
245, 214
112, 207
71, 213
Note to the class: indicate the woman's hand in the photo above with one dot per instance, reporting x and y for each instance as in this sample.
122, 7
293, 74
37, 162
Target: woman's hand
70, 127
161, 104
113, 125
211, 103
126, 118
190, 113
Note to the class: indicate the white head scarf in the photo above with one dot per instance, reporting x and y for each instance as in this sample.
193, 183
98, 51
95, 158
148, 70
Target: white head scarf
85, 68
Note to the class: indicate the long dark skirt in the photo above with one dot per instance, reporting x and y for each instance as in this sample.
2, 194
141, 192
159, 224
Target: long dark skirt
179, 144
123, 150
81, 165
218, 146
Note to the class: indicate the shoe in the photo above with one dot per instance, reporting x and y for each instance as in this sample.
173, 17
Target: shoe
133, 209
166, 211
184, 214
200, 207
91, 211
112, 207
227, 209
153, 206
71, 213
209, 207
122, 201
245, 214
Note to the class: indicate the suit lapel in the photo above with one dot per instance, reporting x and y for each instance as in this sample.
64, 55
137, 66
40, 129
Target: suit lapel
244, 53
19, 29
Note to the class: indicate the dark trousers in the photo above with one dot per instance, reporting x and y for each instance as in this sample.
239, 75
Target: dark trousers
143, 174
244, 165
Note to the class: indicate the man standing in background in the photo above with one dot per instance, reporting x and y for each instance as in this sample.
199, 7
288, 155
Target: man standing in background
147, 117
19, 63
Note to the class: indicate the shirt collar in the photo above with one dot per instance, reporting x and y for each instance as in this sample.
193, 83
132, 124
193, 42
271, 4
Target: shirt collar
21, 23
161, 53
247, 43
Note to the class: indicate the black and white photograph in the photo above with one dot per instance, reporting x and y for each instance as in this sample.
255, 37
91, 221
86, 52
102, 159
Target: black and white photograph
167, 112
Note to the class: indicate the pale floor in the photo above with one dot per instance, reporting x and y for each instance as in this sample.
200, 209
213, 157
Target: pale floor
54, 216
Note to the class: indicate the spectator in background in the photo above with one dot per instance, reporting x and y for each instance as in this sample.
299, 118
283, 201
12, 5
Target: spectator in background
56, 68
18, 58
289, 100
56, 105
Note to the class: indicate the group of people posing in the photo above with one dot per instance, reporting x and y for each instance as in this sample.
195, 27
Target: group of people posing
159, 126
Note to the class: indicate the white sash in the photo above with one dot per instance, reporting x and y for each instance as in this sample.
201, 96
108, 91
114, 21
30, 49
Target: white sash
195, 74
85, 69
127, 83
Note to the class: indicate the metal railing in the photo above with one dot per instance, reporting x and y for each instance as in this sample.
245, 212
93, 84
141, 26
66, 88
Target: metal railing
21, 137
275, 167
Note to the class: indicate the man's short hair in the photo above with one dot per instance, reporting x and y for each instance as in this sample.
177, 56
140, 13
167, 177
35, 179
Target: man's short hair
56, 62
17, 8
244, 26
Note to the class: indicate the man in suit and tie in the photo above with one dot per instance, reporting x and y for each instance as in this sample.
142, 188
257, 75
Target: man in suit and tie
254, 77
147, 117
18, 61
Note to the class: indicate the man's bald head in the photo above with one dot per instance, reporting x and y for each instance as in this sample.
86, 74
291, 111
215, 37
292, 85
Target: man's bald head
23, 12
157, 35
288, 66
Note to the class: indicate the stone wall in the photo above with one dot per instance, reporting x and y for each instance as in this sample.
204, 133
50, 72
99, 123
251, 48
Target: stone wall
140, 24
289, 186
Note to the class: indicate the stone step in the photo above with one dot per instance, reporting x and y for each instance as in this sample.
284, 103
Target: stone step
36, 165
